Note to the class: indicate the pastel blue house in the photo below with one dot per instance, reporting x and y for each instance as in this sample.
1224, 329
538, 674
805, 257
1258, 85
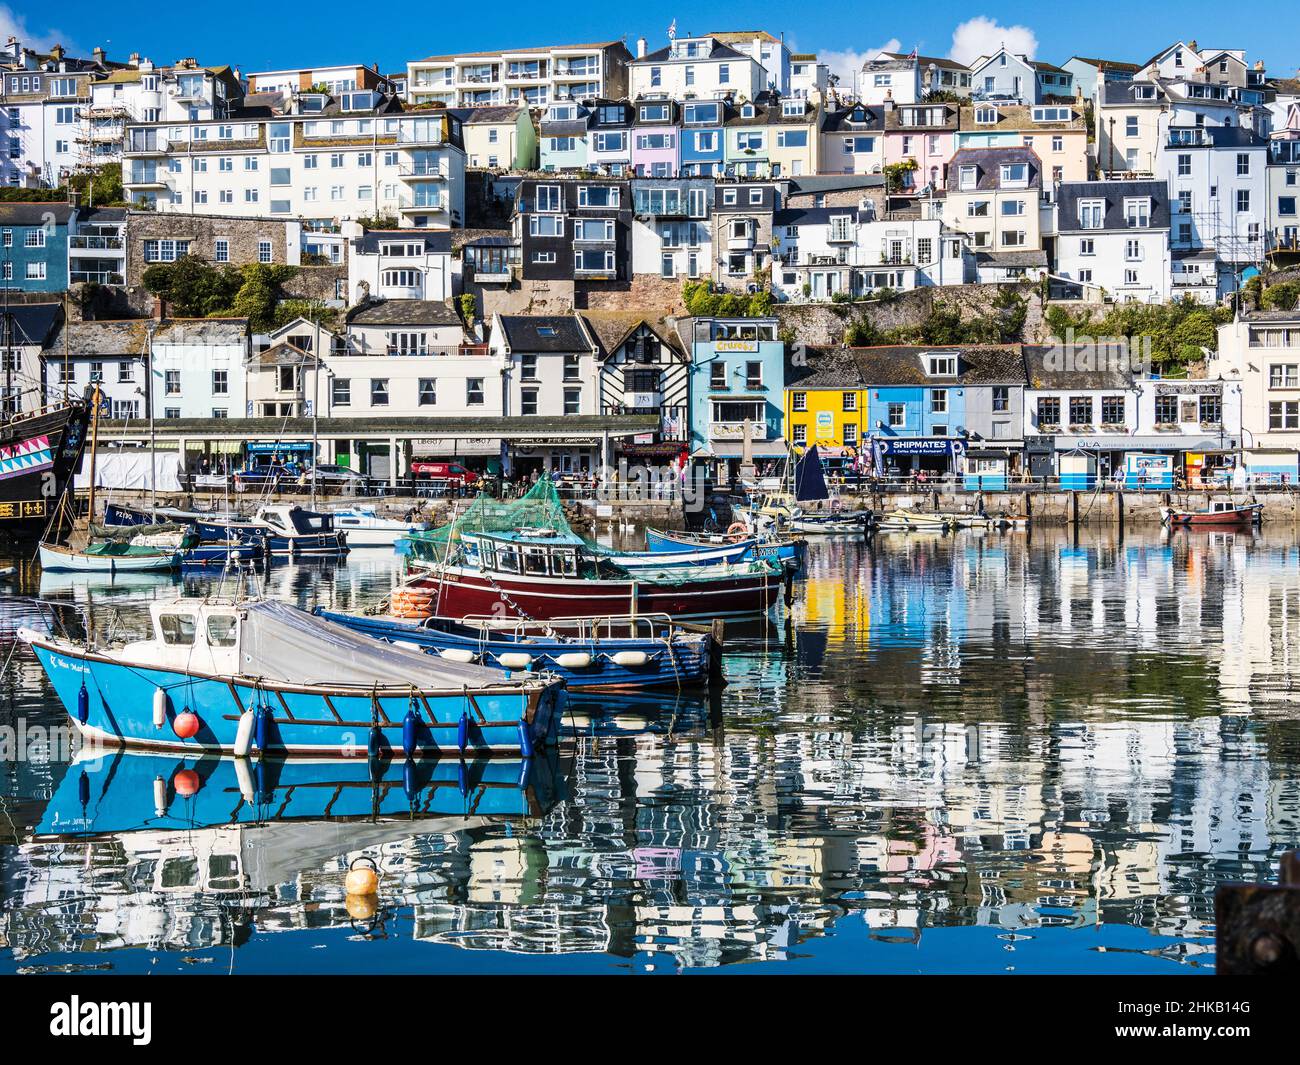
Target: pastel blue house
563, 142
737, 384
1007, 76
34, 246
701, 137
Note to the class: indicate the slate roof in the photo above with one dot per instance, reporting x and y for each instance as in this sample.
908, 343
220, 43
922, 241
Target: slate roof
1027, 257
841, 119
404, 312
1039, 362
476, 116
435, 240
718, 51
927, 60
988, 176
822, 183
34, 214
1069, 193
126, 338
612, 328
523, 332
1226, 137
1119, 93
1106, 64
34, 323
904, 364
811, 216
1019, 117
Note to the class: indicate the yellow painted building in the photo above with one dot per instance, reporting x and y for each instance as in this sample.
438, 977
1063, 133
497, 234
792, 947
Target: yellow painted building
831, 415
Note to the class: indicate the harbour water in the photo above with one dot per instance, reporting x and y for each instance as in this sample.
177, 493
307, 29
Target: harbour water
978, 752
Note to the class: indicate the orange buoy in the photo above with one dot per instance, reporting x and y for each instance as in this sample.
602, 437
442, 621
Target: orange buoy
187, 783
186, 724
362, 879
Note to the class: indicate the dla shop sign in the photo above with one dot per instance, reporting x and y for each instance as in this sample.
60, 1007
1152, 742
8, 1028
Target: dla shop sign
825, 425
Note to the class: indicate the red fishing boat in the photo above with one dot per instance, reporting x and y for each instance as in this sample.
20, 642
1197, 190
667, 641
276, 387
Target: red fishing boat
543, 574
1219, 513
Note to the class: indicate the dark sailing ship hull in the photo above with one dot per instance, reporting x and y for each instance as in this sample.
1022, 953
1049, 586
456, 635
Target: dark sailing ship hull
39, 454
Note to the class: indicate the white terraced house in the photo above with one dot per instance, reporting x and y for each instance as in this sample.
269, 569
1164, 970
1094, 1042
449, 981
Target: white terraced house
310, 155
531, 77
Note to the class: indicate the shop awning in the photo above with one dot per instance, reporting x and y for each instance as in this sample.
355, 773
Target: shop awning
1155, 442
455, 448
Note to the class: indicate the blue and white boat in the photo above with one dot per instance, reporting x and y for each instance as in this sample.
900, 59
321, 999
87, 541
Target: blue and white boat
236, 677
225, 553
789, 550
286, 529
132, 791
600, 654
366, 527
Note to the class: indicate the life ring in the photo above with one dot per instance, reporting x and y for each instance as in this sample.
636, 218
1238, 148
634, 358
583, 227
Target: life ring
737, 530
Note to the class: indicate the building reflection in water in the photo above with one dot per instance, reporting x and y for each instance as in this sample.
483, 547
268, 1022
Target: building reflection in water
1023, 736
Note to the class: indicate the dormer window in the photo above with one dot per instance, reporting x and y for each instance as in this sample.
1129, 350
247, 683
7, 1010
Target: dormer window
792, 108
986, 116
358, 101
966, 177
747, 111
942, 365
1015, 174
1052, 114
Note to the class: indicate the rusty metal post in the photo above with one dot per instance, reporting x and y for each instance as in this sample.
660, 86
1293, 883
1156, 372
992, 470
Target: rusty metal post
1257, 926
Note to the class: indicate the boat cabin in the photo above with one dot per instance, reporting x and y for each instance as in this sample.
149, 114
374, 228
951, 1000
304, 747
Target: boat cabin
531, 552
191, 634
294, 521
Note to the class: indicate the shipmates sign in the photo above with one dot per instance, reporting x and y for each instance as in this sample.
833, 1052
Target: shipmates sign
920, 446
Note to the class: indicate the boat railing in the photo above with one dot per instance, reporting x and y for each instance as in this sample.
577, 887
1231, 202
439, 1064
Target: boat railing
642, 626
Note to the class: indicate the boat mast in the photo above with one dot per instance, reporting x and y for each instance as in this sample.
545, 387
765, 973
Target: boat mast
94, 442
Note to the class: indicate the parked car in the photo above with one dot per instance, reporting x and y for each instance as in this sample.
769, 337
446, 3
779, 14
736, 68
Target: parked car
452, 472
331, 477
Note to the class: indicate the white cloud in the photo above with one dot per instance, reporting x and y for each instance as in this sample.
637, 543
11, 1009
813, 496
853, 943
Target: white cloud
12, 25
846, 65
983, 36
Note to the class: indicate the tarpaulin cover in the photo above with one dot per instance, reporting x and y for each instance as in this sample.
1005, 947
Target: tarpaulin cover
131, 469
280, 642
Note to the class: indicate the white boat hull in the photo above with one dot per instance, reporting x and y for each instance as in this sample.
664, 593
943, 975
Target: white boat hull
64, 559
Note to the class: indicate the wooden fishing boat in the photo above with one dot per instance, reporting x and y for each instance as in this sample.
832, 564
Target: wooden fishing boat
630, 560
237, 676
544, 574
591, 654
1218, 513
111, 556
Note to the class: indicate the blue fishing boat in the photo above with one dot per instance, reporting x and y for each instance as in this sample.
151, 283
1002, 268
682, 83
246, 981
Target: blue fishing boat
236, 677
710, 555
136, 791
789, 550
284, 529
647, 651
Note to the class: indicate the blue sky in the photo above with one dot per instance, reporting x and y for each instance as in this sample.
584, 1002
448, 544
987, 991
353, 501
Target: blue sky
270, 36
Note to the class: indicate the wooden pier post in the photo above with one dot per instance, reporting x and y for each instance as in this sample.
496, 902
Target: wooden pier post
1074, 509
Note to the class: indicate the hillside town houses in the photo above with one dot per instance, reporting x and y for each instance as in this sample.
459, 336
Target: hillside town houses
491, 249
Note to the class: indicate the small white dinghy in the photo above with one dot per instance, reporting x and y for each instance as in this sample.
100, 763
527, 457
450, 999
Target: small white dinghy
108, 557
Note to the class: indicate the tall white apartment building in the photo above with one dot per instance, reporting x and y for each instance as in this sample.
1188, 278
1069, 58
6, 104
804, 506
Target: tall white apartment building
311, 155
531, 77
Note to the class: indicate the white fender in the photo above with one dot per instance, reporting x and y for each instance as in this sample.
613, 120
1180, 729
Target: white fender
630, 658
159, 708
458, 654
515, 660
407, 645
159, 797
244, 734
573, 660
245, 777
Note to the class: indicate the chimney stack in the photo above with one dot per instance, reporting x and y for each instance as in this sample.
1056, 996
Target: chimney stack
99, 56
159, 309
640, 48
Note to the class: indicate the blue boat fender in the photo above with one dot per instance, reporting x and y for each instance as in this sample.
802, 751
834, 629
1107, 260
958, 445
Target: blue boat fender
375, 744
462, 779
83, 790
410, 781
525, 739
410, 726
525, 771
262, 732
83, 704
462, 731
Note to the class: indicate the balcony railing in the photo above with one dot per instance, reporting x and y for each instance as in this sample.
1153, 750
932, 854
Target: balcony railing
463, 350
423, 172
99, 277
96, 243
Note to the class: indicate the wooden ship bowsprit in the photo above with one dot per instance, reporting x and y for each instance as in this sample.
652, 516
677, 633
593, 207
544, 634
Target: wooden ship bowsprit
40, 449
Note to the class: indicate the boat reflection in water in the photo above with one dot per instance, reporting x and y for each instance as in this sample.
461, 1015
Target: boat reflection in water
174, 853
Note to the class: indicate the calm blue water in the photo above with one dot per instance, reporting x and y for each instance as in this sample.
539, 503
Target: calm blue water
973, 753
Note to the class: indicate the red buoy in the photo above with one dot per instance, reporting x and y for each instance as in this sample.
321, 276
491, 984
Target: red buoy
186, 724
186, 782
